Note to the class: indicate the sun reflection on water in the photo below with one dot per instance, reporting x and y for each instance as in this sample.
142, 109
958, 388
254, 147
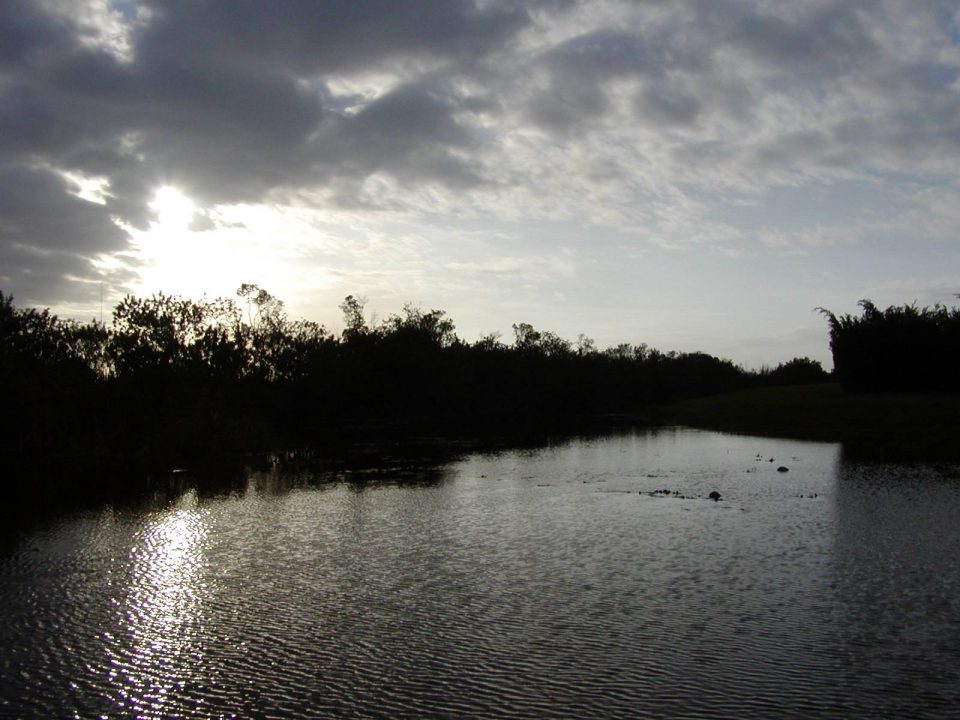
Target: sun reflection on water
157, 659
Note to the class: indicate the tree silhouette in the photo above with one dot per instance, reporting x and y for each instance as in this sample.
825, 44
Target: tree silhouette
897, 349
171, 376
353, 320
798, 371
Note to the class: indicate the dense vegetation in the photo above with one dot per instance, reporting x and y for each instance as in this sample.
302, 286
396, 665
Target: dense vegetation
897, 349
872, 426
172, 377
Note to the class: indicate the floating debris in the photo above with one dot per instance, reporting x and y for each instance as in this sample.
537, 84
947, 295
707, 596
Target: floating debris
715, 496
666, 493
783, 468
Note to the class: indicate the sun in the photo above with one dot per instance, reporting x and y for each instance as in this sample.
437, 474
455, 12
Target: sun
176, 255
173, 208
230, 245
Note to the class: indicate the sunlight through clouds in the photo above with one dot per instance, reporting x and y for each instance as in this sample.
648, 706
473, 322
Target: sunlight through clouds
175, 258
174, 209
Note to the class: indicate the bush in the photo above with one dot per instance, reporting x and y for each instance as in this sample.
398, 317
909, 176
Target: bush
897, 349
799, 371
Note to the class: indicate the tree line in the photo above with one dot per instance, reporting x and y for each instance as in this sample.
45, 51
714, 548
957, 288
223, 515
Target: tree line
902, 348
176, 376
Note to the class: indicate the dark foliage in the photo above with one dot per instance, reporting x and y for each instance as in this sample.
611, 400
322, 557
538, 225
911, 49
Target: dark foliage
172, 377
799, 371
898, 349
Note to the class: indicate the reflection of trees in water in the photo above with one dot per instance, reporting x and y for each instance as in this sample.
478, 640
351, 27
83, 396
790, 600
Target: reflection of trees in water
897, 581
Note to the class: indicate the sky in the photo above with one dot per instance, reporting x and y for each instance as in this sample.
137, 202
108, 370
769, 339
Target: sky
697, 175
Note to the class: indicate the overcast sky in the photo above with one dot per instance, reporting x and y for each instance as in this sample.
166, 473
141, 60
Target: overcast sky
693, 174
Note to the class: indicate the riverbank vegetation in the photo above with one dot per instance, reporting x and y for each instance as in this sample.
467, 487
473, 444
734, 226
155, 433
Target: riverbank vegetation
174, 379
897, 375
902, 348
876, 426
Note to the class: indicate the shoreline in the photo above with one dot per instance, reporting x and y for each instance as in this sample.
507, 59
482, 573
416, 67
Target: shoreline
896, 427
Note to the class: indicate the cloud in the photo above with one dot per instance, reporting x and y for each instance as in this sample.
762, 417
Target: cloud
633, 116
228, 102
48, 234
337, 36
409, 132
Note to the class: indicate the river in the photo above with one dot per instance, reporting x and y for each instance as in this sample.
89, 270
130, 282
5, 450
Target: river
590, 577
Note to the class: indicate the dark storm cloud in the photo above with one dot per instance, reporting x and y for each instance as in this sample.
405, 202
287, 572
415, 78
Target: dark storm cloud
225, 100
46, 277
48, 234
408, 132
668, 105
819, 38
775, 90
26, 29
236, 104
236, 101
581, 68
680, 58
38, 200
305, 37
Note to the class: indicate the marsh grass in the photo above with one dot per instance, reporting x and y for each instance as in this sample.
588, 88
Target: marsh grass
901, 426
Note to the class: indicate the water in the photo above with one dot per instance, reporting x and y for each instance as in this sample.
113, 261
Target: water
558, 582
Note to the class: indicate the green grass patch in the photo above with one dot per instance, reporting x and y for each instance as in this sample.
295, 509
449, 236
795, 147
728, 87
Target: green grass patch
915, 426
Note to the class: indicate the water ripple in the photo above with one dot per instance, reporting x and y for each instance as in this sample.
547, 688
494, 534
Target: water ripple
498, 598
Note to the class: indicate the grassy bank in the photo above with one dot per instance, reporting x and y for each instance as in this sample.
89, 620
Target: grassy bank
902, 426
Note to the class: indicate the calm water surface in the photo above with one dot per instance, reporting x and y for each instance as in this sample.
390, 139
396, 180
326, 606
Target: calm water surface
550, 583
